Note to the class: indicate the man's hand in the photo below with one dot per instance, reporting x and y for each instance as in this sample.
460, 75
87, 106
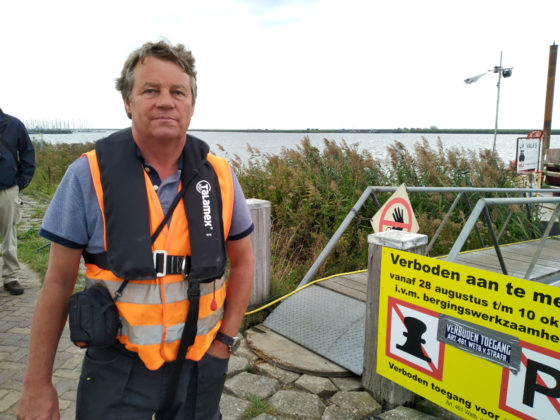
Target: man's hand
398, 216
219, 350
38, 402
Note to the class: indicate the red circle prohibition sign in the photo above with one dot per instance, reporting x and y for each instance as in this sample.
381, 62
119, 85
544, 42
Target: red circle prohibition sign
393, 224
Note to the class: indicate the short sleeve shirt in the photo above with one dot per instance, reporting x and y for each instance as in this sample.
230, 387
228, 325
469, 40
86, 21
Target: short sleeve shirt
74, 217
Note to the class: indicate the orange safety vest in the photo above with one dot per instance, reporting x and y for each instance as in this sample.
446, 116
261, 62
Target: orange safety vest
153, 312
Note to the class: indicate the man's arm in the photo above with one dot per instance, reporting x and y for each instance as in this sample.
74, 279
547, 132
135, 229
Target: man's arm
39, 399
239, 285
26, 158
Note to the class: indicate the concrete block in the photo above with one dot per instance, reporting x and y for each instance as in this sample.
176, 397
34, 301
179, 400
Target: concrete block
236, 365
348, 384
233, 408
284, 376
405, 413
247, 384
297, 404
323, 387
360, 403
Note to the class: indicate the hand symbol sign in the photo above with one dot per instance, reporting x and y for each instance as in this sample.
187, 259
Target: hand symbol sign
398, 217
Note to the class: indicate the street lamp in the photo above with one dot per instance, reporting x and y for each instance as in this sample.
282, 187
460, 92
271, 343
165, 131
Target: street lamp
505, 72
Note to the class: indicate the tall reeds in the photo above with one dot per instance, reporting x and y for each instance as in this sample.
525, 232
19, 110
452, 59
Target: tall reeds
312, 189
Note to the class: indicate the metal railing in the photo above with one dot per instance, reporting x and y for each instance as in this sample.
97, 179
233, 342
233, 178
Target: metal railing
482, 208
462, 193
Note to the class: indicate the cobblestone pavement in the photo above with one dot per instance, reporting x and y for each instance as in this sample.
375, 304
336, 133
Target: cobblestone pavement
16, 313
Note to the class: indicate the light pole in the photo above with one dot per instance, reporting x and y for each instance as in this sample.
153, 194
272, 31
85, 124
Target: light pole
505, 72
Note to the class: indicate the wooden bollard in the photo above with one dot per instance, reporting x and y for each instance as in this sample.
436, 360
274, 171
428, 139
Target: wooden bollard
260, 213
386, 392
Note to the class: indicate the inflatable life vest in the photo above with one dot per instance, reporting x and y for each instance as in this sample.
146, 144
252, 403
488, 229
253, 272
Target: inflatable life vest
154, 304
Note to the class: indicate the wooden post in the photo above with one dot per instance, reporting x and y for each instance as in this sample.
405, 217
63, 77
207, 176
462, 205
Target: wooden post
260, 213
386, 392
549, 101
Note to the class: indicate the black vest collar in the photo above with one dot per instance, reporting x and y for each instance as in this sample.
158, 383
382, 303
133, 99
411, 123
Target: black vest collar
127, 224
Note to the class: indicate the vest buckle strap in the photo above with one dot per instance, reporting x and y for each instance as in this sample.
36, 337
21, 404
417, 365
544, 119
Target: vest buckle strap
165, 264
174, 264
160, 262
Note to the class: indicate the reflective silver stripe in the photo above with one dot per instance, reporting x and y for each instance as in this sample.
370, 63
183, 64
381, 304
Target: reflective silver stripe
204, 326
208, 322
146, 335
144, 293
208, 288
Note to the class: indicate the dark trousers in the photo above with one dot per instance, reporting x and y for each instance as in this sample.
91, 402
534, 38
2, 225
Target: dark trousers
115, 384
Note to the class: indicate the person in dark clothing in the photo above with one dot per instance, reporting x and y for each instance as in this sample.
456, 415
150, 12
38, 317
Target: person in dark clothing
17, 166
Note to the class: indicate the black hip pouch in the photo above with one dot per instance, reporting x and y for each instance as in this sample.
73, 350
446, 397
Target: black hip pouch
93, 318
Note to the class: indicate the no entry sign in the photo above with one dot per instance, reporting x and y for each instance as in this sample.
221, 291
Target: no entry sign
396, 214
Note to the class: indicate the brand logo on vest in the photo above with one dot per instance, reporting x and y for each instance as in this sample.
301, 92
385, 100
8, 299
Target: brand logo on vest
203, 188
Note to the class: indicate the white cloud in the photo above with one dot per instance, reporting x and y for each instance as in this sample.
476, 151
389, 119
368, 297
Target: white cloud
289, 64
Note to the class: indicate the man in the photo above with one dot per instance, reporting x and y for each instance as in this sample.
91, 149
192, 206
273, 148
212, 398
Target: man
108, 205
17, 165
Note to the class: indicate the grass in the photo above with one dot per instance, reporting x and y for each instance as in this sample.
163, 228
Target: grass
51, 162
311, 191
33, 251
257, 407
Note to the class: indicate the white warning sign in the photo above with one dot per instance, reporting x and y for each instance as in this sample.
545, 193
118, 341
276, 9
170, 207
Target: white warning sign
396, 214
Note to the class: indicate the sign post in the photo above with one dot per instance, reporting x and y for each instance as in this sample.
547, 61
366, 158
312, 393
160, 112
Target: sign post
386, 392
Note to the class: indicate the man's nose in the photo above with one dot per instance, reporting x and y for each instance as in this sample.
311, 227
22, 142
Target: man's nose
165, 99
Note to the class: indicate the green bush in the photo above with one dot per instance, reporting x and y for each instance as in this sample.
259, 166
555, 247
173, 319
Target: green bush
456, 167
51, 161
311, 191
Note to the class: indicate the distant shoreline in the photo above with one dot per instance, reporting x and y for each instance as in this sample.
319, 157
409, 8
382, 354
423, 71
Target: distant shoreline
309, 130
388, 130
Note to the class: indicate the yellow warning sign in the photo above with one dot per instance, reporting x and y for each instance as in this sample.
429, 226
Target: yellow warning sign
481, 344
396, 214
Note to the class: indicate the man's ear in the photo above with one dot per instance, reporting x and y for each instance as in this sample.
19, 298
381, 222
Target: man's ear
127, 107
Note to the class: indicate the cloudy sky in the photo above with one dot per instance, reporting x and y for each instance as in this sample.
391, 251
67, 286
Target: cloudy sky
289, 64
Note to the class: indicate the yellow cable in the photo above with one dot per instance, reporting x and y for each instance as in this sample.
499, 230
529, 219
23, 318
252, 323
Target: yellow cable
299, 289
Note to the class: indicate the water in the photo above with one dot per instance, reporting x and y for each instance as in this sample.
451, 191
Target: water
235, 143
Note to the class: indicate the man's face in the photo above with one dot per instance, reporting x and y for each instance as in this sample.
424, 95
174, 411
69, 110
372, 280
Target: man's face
161, 102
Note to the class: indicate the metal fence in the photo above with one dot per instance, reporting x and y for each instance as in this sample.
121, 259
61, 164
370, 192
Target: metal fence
525, 196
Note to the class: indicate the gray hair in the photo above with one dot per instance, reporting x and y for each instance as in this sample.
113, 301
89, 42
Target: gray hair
177, 54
